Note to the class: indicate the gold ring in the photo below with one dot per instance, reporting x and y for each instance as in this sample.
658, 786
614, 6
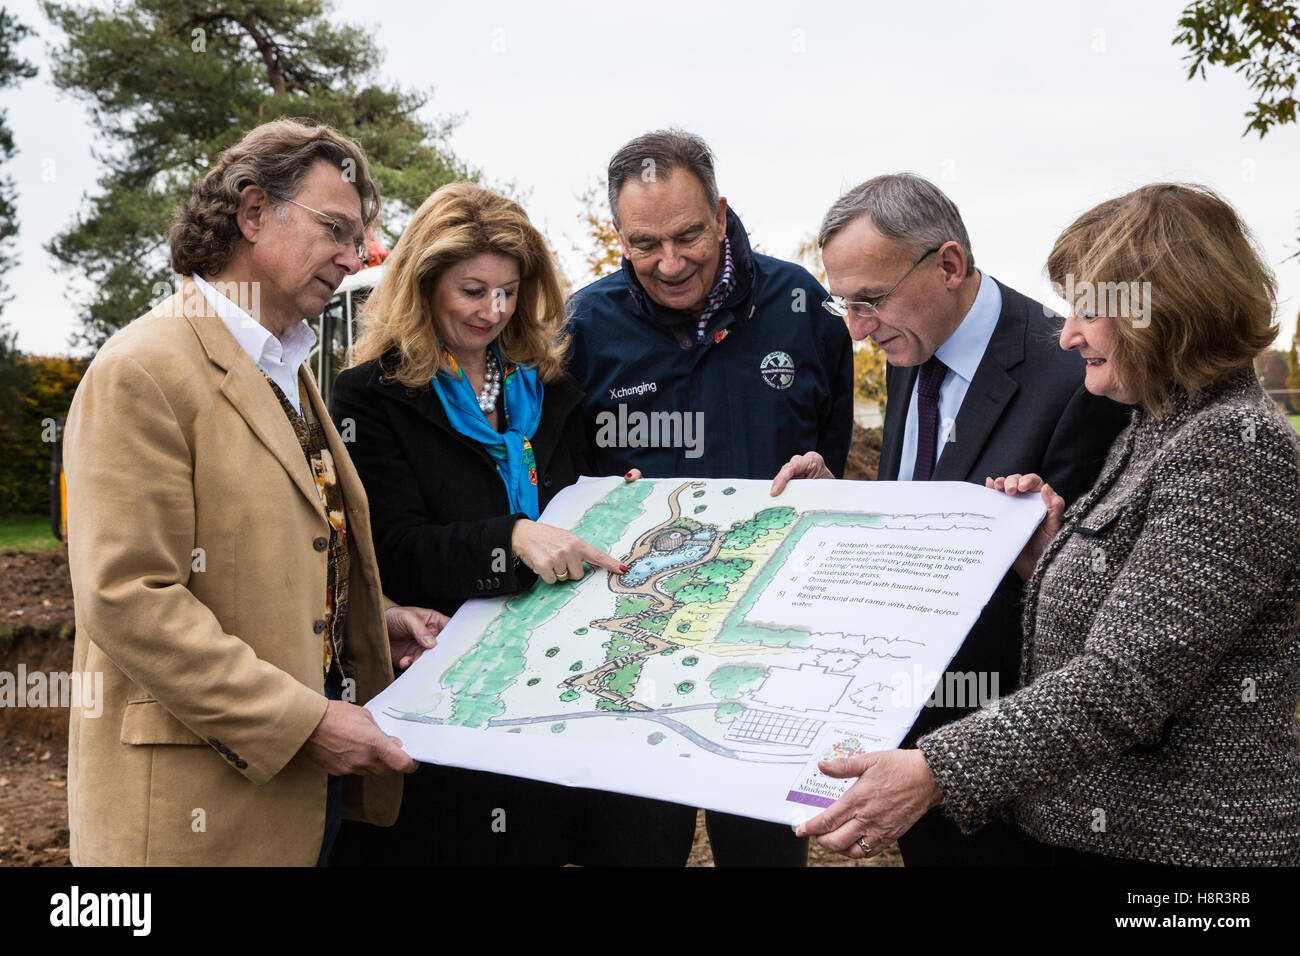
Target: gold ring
562, 575
866, 847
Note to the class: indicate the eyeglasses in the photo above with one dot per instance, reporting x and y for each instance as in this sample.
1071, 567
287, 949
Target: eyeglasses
356, 243
837, 305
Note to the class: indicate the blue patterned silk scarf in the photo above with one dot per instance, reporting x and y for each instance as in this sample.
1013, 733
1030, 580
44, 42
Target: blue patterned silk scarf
521, 393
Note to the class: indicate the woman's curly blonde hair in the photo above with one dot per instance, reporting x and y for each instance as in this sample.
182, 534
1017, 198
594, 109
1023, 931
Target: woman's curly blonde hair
460, 221
276, 156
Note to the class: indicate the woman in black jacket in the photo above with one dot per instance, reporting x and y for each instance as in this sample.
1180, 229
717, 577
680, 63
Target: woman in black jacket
463, 424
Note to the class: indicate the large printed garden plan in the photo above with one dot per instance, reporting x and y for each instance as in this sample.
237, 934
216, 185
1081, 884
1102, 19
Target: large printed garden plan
750, 637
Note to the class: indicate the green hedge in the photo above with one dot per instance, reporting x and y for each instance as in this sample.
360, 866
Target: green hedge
34, 391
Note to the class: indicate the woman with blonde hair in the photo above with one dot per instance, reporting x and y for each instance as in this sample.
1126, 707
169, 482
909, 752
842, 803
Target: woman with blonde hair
1161, 613
463, 425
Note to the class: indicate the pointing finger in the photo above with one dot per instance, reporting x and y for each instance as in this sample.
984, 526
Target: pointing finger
593, 555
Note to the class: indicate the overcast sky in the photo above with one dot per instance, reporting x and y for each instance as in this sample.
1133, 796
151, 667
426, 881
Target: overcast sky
1025, 113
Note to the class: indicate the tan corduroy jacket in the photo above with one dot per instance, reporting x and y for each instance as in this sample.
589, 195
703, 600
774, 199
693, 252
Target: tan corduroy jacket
195, 537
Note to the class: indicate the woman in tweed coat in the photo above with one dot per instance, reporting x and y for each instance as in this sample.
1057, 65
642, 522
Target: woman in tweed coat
1162, 610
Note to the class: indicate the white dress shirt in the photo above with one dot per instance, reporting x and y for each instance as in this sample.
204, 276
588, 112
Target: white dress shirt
277, 357
962, 353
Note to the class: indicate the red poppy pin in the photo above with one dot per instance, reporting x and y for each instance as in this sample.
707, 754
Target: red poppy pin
721, 334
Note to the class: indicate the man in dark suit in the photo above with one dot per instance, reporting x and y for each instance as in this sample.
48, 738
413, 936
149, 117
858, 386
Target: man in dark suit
977, 386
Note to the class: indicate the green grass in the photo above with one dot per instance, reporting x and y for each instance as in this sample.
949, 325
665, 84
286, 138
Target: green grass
1295, 420
27, 533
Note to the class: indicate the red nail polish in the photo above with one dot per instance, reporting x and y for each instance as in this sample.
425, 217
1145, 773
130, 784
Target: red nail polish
623, 569
628, 476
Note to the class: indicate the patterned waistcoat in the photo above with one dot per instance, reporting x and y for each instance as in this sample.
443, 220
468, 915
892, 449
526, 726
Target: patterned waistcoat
311, 436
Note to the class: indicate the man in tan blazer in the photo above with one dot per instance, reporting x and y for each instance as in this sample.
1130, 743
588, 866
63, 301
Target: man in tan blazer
219, 541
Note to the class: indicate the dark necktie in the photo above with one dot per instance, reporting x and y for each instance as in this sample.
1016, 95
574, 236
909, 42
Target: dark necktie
927, 417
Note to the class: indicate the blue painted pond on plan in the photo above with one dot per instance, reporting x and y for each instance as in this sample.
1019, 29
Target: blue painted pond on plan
657, 561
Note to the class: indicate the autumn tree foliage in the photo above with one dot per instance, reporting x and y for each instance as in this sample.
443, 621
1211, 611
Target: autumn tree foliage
601, 251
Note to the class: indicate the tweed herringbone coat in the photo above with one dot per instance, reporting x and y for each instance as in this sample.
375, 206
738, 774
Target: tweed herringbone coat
1162, 653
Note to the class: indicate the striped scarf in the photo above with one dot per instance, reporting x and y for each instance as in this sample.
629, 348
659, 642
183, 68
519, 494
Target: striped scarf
722, 290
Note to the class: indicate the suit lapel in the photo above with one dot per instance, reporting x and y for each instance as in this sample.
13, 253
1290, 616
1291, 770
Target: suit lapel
425, 401
990, 392
354, 492
244, 386
898, 395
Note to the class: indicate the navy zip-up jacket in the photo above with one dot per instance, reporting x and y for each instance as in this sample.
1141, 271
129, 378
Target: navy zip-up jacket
773, 377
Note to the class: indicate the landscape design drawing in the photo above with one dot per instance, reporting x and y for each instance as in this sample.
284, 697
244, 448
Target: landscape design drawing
679, 647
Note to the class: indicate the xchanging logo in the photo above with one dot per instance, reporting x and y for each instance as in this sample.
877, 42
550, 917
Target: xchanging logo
629, 390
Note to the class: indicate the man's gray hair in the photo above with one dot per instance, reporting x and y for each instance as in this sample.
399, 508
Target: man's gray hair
902, 206
656, 155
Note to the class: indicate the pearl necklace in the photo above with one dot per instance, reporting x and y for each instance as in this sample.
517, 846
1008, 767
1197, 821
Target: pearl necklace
487, 399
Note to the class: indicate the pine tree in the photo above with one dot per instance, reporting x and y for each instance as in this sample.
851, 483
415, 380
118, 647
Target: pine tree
12, 69
170, 83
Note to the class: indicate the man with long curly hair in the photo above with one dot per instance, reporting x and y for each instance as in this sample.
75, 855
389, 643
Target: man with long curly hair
219, 541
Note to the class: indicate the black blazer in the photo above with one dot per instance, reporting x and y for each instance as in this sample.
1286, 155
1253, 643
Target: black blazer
1026, 411
439, 511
